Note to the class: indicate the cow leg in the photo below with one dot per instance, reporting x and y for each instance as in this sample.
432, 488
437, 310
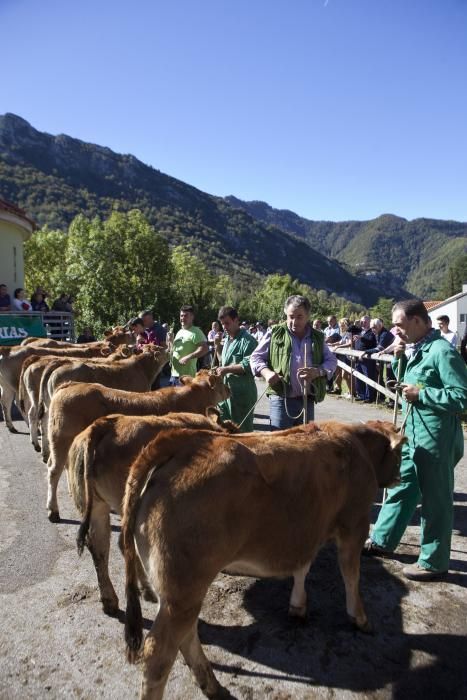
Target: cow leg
34, 428
200, 667
349, 547
161, 647
45, 435
54, 472
146, 588
8, 394
297, 604
98, 543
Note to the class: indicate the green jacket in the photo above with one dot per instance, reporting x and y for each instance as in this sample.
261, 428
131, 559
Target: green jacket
242, 386
280, 350
433, 427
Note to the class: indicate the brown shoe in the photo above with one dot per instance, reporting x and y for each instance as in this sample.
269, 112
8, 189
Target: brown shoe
415, 572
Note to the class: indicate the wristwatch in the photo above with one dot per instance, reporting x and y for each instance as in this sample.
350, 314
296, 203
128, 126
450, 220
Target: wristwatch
322, 372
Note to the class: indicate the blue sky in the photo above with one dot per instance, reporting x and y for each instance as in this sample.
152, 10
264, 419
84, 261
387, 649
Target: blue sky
335, 109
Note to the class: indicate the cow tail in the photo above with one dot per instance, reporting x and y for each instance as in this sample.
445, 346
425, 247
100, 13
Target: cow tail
21, 393
139, 474
81, 463
46, 374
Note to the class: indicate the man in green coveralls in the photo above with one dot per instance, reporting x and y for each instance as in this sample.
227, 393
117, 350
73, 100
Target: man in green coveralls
189, 344
435, 388
234, 358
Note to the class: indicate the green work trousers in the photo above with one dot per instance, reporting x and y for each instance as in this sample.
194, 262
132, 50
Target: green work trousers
430, 482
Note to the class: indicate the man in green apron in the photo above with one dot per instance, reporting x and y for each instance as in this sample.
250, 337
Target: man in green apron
234, 357
435, 390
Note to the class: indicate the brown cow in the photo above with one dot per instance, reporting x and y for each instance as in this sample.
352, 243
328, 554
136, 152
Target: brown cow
136, 373
260, 507
116, 331
12, 358
75, 406
30, 383
98, 464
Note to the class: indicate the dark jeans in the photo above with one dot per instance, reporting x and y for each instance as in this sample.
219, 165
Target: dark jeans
364, 391
278, 416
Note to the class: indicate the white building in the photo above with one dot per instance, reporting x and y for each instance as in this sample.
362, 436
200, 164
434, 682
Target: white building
456, 308
15, 229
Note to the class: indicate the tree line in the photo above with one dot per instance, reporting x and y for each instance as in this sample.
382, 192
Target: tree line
116, 267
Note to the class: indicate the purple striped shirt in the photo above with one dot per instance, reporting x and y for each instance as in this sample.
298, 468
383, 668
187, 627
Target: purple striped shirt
300, 347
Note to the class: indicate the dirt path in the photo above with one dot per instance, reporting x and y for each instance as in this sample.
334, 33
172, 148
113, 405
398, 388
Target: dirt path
55, 642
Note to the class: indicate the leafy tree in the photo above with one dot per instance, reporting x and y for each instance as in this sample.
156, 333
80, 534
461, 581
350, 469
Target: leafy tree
117, 268
194, 284
383, 310
455, 277
45, 263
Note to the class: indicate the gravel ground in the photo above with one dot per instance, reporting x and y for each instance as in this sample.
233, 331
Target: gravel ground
55, 642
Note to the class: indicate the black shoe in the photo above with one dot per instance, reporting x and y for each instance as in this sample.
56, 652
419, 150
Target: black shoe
368, 401
359, 398
371, 549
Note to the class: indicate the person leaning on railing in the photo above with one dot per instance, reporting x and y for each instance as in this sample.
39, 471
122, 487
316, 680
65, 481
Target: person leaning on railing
344, 342
384, 339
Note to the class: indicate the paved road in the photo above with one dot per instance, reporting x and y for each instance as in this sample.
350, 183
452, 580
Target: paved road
55, 642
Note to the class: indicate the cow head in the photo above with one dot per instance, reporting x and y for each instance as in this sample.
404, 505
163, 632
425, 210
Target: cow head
118, 336
385, 446
213, 413
209, 378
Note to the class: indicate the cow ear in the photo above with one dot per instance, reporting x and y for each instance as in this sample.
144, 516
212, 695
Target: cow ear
213, 414
397, 439
185, 379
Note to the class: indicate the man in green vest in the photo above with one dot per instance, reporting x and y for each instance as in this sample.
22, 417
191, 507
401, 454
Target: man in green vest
293, 358
435, 390
234, 357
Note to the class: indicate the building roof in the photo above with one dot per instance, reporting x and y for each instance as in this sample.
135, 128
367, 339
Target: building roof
13, 209
431, 304
436, 304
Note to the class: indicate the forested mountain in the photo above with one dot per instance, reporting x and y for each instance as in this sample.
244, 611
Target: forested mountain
57, 177
414, 254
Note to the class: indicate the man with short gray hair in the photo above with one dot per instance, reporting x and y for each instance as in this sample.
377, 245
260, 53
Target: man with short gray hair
293, 355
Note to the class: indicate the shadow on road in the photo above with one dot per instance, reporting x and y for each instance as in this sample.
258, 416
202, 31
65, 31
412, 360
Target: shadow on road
327, 651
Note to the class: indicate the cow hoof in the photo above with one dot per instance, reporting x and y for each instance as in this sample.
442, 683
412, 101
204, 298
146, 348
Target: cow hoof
54, 516
365, 627
220, 693
297, 611
149, 595
110, 607
37, 447
12, 429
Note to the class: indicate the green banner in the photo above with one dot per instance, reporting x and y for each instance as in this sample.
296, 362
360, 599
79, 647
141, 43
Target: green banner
15, 328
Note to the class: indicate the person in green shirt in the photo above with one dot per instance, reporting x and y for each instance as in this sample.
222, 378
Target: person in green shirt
188, 345
234, 358
434, 380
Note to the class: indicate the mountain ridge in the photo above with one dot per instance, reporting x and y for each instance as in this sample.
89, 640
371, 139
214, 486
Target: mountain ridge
416, 252
56, 177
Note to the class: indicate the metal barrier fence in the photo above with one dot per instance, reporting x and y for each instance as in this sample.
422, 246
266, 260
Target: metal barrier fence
59, 325
17, 325
354, 356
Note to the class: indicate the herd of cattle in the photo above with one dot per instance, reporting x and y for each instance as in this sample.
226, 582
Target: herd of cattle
195, 496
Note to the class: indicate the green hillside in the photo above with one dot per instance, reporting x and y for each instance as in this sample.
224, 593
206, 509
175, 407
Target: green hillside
414, 255
57, 177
